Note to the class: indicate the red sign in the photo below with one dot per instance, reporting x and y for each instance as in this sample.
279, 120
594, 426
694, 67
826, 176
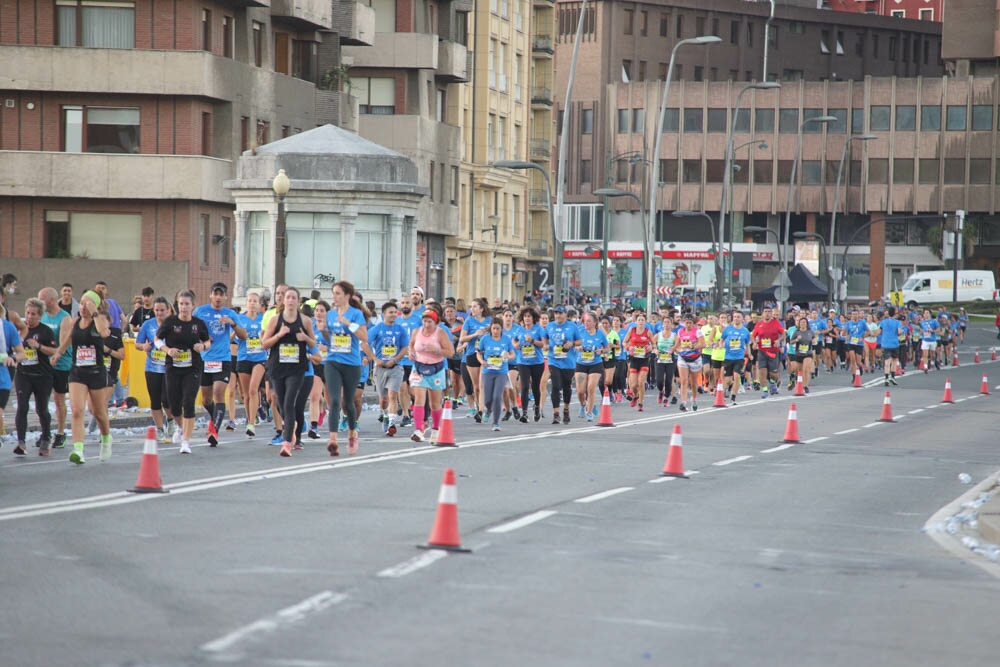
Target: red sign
625, 254
581, 254
686, 254
763, 256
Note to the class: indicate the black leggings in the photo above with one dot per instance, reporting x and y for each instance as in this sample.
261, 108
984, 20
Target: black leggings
39, 386
531, 374
562, 381
665, 379
287, 389
341, 382
154, 387
182, 390
300, 405
620, 380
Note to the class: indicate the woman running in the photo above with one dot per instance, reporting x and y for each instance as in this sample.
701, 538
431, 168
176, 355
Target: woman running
510, 394
495, 351
530, 364
638, 341
430, 346
800, 358
251, 358
288, 336
344, 333
34, 377
688, 347
317, 395
591, 348
664, 342
156, 367
475, 327
183, 337
614, 343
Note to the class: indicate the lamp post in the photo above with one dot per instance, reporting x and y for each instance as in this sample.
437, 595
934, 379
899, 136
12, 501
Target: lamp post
717, 250
654, 178
631, 156
616, 192
281, 185
836, 195
823, 248
556, 246
777, 241
732, 210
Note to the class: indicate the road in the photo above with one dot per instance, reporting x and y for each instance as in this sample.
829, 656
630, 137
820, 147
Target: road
581, 552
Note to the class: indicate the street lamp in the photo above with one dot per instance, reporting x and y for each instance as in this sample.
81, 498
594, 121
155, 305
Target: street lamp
823, 249
836, 194
654, 179
281, 185
717, 249
556, 248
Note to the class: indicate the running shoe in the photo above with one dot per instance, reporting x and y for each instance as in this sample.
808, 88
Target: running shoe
163, 436
507, 415
538, 412
322, 416
332, 448
694, 405
105, 450
213, 435
595, 411
433, 437
176, 437
632, 402
478, 416
343, 424
763, 394
298, 446
276, 441
673, 400
639, 408
313, 435
487, 416
524, 418
517, 413
583, 411
185, 448
250, 432
496, 427
565, 416
555, 417
892, 380
44, 445
417, 436
60, 441
286, 450
381, 417
805, 389
471, 414
19, 450
590, 416
76, 456
732, 399
756, 385
683, 407
230, 425
390, 429
406, 422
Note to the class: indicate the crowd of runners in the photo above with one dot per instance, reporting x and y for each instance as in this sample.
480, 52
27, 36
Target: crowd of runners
298, 361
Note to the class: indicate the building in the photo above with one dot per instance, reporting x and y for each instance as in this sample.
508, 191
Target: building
971, 37
920, 10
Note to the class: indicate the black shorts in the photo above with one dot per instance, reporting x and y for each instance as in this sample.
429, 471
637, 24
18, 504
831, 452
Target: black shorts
594, 369
732, 367
60, 381
856, 349
246, 366
4, 397
406, 373
609, 363
455, 365
716, 363
93, 381
208, 379
796, 358
638, 364
472, 361
891, 352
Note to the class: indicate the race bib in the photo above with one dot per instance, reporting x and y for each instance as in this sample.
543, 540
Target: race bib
765, 342
159, 357
855, 340
341, 344
183, 359
30, 357
254, 346
213, 367
494, 363
587, 356
86, 356
664, 358
735, 343
288, 354
639, 352
685, 345
559, 352
804, 348
388, 352
528, 351
107, 361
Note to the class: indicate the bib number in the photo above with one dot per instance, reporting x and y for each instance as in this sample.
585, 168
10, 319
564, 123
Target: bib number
159, 357
765, 342
494, 363
213, 367
639, 352
86, 356
735, 343
527, 351
587, 356
30, 357
559, 352
664, 358
183, 359
254, 346
288, 354
341, 344
388, 352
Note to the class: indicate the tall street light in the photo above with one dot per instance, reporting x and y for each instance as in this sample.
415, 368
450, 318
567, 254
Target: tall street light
281, 185
823, 249
836, 195
654, 178
717, 251
615, 192
781, 261
556, 246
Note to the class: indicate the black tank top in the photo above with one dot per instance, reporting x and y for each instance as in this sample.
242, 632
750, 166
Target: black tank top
288, 355
88, 349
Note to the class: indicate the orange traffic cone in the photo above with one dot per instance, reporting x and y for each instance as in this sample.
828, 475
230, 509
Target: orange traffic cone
984, 388
799, 389
792, 428
720, 396
993, 355
857, 377
149, 468
975, 359
674, 467
605, 419
444, 534
954, 359
446, 434
947, 392
886, 409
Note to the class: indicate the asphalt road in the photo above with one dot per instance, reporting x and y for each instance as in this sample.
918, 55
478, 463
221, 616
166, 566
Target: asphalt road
582, 554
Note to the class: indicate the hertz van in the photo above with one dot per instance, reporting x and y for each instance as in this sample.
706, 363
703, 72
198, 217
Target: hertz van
924, 287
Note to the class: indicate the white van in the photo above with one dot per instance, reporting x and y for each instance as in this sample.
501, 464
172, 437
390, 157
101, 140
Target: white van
925, 287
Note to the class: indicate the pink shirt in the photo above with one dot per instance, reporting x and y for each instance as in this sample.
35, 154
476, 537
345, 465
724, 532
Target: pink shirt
422, 342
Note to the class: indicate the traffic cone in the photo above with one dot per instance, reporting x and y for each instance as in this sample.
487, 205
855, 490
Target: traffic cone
674, 467
444, 534
799, 389
993, 355
947, 392
975, 359
984, 388
446, 434
720, 396
857, 377
149, 468
954, 359
886, 409
792, 428
605, 419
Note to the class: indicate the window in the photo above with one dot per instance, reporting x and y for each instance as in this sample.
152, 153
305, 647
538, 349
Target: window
204, 239
643, 23
626, 71
228, 35
897, 13
859, 44
982, 117
638, 120
762, 171
282, 41
717, 120
258, 43
812, 128
734, 32
797, 27
454, 186
838, 126
878, 171
906, 118
857, 121
668, 171
621, 171
926, 14
916, 232
979, 171
314, 247
305, 59
750, 34
680, 26
895, 233
244, 133
586, 121
692, 120
206, 133
956, 119
714, 170
892, 47
741, 123
812, 172
741, 171
623, 118
431, 184
642, 71
664, 24
106, 25
286, 131
226, 244
385, 17
785, 171
692, 171
764, 120
928, 173
585, 173
671, 120
515, 213
629, 21
100, 130
930, 118
824, 41
788, 121
902, 170
699, 25
789, 75
376, 95
93, 235
880, 118
715, 26
662, 72
206, 30
263, 132
699, 73
954, 171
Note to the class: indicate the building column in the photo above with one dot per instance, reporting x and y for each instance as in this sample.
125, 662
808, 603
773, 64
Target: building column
876, 258
811, 223
348, 219
395, 281
410, 263
273, 250
240, 247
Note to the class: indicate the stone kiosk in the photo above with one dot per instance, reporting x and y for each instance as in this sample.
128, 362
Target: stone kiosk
350, 213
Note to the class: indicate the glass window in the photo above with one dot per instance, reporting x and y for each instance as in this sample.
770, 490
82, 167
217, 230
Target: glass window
762, 171
880, 118
376, 95
895, 233
623, 119
742, 121
104, 130
670, 120
916, 232
586, 121
717, 120
103, 25
812, 128
788, 121
668, 171
812, 172
857, 121
314, 247
638, 120
902, 170
982, 117
73, 129
906, 117
954, 171
928, 172
714, 171
989, 231
838, 126
741, 171
854, 176
692, 171
878, 171
956, 119
930, 118
101, 235
693, 120
784, 171
764, 120
979, 171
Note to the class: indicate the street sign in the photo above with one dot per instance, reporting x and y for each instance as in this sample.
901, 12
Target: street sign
659, 273
783, 279
781, 293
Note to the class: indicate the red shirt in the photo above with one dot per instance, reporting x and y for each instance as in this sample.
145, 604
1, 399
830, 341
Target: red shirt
767, 334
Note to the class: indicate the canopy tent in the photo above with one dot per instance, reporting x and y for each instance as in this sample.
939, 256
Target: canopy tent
805, 287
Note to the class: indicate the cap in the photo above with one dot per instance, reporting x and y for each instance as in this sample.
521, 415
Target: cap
560, 309
417, 288
702, 322
220, 287
430, 314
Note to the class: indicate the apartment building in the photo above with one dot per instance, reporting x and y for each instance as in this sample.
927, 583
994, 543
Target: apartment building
920, 10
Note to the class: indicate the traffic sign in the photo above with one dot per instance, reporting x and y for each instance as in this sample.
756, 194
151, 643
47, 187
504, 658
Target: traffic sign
781, 293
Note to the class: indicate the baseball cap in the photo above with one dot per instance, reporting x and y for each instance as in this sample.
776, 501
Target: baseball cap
560, 309
220, 287
702, 322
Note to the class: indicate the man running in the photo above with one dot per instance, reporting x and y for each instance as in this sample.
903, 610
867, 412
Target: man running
889, 329
736, 341
768, 337
221, 322
57, 319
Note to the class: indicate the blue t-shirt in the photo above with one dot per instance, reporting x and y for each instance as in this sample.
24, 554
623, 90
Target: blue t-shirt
115, 313
562, 338
928, 329
13, 340
219, 351
890, 334
343, 346
251, 349
409, 324
472, 325
590, 345
494, 361
735, 340
530, 354
156, 360
386, 340
856, 332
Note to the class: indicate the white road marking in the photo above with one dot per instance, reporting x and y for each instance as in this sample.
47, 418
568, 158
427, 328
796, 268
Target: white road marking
812, 440
414, 564
931, 407
872, 424
735, 459
603, 494
526, 520
913, 412
959, 400
660, 480
777, 449
850, 430
285, 617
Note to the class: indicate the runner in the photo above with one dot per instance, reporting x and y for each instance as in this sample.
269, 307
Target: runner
475, 327
638, 341
767, 338
429, 346
156, 367
389, 342
183, 338
454, 361
736, 341
221, 322
614, 343
664, 343
928, 341
688, 349
560, 338
592, 347
717, 354
58, 319
410, 321
495, 351
344, 332
892, 338
530, 364
144, 312
801, 359
34, 377
67, 303
251, 359
511, 391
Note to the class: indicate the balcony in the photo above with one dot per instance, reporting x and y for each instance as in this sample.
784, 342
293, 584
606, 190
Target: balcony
540, 149
542, 44
114, 176
396, 50
304, 14
453, 62
541, 96
538, 199
354, 22
337, 108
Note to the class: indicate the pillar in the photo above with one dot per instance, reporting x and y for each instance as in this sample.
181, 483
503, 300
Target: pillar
240, 247
348, 220
876, 272
394, 284
811, 223
410, 263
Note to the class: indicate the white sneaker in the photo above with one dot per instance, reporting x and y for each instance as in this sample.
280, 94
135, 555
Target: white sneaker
176, 439
105, 451
433, 436
417, 436
185, 448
